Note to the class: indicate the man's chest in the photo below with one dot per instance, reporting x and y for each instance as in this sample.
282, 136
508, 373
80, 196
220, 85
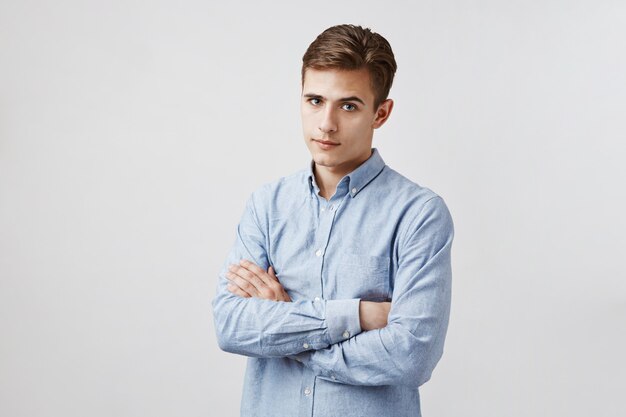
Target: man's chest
335, 251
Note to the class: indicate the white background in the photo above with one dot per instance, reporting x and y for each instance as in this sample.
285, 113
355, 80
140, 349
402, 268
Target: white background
131, 133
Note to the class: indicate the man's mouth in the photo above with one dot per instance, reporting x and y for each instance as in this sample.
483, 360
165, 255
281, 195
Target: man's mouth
326, 142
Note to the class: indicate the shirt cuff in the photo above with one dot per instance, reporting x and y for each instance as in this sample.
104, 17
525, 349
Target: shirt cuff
342, 319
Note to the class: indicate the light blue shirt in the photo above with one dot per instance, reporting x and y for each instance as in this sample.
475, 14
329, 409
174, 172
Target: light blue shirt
379, 237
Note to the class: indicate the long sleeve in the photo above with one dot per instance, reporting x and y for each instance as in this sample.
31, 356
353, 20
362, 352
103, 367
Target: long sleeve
406, 351
263, 328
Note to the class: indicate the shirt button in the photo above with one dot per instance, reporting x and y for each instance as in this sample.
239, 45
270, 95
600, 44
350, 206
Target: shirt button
316, 299
307, 391
306, 345
354, 191
332, 376
331, 208
318, 252
346, 334
322, 209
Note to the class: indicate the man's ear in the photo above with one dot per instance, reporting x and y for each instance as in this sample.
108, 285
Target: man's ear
382, 113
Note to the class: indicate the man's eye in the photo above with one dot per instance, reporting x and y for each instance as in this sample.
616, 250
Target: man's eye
315, 101
349, 107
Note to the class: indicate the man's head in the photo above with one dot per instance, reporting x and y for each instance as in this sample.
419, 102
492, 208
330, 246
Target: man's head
350, 47
347, 73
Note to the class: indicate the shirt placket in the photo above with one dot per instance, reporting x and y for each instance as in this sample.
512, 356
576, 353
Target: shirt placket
327, 212
326, 215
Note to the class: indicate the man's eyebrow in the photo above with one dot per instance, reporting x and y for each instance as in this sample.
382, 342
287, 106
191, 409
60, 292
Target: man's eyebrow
351, 98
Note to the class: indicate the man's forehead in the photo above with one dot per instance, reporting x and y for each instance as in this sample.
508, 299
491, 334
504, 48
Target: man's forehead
336, 83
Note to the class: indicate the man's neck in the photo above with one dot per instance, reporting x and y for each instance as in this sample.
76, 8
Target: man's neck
326, 180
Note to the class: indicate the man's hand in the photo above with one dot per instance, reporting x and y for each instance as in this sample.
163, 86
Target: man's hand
373, 315
249, 280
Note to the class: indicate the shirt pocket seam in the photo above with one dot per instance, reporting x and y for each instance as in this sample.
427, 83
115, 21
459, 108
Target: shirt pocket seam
374, 268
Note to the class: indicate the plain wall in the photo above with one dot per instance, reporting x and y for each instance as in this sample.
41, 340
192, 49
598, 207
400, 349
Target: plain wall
132, 132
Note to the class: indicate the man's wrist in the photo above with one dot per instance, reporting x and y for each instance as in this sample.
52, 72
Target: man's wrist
373, 315
342, 319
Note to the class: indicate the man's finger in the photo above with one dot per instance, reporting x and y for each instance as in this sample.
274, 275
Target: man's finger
257, 282
237, 291
272, 273
242, 283
261, 283
256, 270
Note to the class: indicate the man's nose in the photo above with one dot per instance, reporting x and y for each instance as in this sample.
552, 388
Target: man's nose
328, 123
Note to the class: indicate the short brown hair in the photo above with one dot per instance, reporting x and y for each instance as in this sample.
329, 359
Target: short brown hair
351, 47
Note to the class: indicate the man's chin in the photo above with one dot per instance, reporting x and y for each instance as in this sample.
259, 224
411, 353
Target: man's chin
323, 160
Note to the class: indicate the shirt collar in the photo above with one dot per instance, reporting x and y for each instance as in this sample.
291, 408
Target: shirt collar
357, 179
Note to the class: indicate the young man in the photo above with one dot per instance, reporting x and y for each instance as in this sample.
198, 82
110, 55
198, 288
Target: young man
338, 285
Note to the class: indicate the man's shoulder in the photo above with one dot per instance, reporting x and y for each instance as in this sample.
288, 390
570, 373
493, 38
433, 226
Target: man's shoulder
404, 191
417, 205
284, 195
292, 184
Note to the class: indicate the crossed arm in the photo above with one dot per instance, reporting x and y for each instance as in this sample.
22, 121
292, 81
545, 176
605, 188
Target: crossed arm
400, 346
262, 327
249, 280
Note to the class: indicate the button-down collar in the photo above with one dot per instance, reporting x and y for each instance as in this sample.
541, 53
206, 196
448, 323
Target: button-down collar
357, 179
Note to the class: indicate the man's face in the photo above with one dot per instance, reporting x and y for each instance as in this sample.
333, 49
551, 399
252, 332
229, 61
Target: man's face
339, 118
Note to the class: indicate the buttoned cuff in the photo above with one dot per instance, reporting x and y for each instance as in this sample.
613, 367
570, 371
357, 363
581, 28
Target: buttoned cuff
342, 319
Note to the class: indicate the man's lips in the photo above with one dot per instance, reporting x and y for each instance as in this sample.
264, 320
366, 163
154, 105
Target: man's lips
326, 145
325, 142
